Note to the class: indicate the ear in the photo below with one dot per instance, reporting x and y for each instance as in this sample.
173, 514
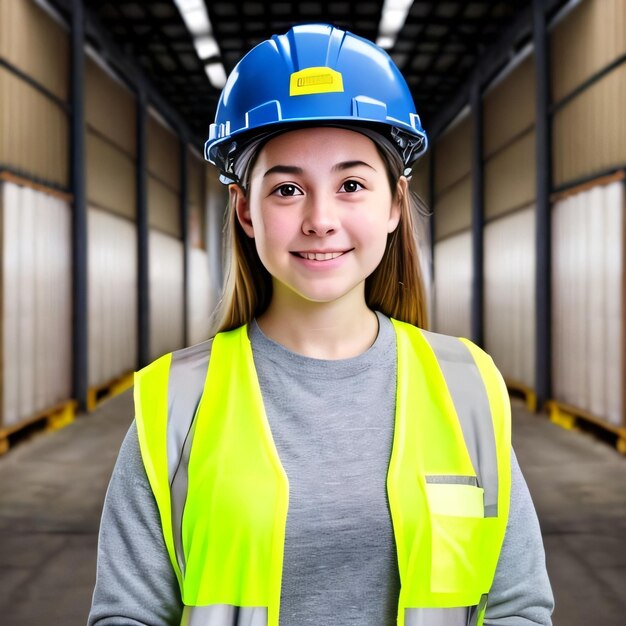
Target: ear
240, 203
402, 189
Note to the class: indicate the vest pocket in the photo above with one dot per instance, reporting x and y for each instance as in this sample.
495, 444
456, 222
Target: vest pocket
457, 527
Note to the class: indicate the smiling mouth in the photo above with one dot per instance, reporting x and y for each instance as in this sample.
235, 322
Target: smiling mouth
319, 256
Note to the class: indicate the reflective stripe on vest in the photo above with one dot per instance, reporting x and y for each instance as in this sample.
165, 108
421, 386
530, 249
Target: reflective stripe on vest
220, 614
208, 451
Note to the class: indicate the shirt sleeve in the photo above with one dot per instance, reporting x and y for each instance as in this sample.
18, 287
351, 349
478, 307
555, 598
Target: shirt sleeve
135, 582
521, 594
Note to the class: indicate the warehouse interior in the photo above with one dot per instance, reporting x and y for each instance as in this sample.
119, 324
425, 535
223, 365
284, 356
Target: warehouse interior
111, 226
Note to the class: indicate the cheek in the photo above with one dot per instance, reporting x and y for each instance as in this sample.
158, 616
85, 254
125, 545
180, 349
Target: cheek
273, 229
372, 230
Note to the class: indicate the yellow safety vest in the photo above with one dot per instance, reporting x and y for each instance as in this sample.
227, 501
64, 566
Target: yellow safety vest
208, 452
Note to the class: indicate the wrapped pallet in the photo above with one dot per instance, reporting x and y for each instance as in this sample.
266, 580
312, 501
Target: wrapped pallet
588, 302
36, 303
166, 293
112, 299
453, 280
509, 275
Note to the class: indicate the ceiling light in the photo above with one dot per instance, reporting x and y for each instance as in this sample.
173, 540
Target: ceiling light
216, 74
385, 42
188, 5
206, 47
197, 21
392, 19
196, 18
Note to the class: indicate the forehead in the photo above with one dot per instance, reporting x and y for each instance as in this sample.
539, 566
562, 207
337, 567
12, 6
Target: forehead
319, 143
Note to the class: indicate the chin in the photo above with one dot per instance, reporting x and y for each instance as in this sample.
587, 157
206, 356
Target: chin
323, 295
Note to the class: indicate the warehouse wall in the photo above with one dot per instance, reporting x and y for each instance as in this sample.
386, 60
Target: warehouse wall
453, 188
509, 210
420, 177
419, 184
36, 222
35, 214
34, 138
196, 196
216, 204
589, 134
166, 245
452, 214
110, 115
588, 58
199, 285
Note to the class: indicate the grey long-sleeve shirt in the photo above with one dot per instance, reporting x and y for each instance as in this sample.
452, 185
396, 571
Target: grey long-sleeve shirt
332, 422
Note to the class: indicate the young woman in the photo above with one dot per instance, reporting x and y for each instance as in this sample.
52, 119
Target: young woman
323, 459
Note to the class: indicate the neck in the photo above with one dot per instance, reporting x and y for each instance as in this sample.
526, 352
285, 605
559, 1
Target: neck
327, 330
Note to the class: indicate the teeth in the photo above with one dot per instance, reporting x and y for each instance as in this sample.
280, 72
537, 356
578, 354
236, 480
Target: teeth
317, 256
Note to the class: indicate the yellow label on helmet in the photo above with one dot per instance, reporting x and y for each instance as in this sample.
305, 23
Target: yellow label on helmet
315, 80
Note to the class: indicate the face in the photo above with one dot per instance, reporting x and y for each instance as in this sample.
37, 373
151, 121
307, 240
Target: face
319, 208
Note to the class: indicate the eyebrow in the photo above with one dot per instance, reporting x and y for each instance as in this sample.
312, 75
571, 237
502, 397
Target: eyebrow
346, 165
292, 169
283, 169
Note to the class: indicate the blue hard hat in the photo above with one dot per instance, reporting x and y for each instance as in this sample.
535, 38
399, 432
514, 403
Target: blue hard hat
315, 74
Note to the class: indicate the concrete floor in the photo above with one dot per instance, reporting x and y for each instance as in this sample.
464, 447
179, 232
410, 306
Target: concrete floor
52, 488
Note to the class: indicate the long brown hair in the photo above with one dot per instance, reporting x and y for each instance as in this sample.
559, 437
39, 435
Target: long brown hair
395, 287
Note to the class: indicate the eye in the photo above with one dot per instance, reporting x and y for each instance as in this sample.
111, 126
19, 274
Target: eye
287, 191
350, 186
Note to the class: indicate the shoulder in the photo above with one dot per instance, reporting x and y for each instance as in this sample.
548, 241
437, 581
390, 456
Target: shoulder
186, 364
173, 381
461, 349
194, 355
447, 348
470, 370
187, 359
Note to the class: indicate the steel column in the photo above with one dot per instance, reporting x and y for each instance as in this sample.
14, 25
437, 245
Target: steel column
80, 346
432, 232
543, 223
143, 261
478, 220
184, 229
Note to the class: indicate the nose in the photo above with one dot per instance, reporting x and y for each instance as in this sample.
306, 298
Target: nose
321, 216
